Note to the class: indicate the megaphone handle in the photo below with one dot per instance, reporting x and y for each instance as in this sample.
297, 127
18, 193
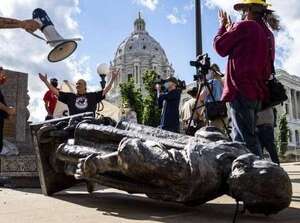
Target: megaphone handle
37, 36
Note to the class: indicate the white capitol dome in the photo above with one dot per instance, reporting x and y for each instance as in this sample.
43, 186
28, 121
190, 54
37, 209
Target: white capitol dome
138, 53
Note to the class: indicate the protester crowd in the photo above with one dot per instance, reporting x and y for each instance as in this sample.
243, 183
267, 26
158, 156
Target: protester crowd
250, 47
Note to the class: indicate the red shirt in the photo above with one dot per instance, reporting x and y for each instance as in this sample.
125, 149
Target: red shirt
250, 47
51, 100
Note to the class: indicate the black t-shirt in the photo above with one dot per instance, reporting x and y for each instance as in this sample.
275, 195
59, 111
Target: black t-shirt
81, 103
3, 114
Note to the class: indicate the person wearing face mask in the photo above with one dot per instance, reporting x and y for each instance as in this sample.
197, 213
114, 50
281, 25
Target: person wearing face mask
250, 47
216, 87
169, 103
81, 101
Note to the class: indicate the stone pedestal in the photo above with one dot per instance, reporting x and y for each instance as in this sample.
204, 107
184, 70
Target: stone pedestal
20, 170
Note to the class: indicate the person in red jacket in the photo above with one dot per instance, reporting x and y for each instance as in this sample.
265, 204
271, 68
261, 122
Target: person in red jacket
50, 100
250, 47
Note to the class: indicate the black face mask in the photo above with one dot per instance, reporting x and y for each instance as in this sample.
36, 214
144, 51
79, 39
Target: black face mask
243, 15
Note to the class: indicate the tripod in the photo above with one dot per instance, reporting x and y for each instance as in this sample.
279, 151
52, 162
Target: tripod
201, 84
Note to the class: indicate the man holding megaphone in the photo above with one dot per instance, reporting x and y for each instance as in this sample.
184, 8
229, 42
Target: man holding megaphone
81, 101
29, 25
9, 23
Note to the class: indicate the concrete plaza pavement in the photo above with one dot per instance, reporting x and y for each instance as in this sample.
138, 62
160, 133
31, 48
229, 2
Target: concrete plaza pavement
113, 206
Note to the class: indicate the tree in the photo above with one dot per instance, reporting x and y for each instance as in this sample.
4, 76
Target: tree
145, 106
151, 112
283, 135
132, 97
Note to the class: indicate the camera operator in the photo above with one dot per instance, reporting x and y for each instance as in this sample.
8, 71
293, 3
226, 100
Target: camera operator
198, 120
266, 123
213, 100
169, 103
250, 46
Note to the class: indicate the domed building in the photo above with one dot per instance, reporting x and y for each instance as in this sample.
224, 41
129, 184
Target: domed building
135, 55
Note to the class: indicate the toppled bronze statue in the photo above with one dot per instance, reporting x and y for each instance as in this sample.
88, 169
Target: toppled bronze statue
163, 165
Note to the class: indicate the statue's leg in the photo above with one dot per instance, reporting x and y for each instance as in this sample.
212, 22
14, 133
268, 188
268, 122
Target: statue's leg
151, 162
88, 134
145, 161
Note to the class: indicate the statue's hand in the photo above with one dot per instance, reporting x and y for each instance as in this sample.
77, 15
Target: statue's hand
86, 167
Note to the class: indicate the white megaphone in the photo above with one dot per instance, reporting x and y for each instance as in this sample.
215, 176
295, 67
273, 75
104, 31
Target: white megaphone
63, 48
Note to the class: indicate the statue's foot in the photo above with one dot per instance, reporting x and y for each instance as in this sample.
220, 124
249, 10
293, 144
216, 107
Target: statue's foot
90, 187
86, 167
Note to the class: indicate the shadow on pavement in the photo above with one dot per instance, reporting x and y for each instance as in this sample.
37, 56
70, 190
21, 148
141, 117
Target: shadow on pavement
296, 198
27, 190
295, 180
140, 208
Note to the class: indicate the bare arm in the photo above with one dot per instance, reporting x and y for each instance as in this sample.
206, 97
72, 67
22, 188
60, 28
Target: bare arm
3, 107
8, 110
114, 76
49, 86
203, 94
47, 107
9, 23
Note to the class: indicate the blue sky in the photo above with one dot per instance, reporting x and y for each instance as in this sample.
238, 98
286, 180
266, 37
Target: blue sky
104, 24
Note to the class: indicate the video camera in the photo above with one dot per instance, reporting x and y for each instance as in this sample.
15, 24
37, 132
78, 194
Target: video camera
202, 65
181, 85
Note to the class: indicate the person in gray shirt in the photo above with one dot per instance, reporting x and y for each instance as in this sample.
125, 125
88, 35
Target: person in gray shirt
265, 131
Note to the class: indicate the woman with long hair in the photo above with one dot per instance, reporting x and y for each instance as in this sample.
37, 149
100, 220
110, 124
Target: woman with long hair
250, 47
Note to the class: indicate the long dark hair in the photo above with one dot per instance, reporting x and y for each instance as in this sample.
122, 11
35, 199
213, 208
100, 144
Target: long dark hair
269, 17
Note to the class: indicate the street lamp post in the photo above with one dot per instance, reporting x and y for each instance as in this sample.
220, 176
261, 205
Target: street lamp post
199, 48
103, 71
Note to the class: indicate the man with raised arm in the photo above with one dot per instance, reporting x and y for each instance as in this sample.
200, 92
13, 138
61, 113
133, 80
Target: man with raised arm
29, 25
81, 101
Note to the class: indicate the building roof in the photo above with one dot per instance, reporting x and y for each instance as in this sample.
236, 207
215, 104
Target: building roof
288, 79
140, 43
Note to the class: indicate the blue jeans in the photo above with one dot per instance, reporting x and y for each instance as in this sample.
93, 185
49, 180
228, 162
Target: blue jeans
244, 117
267, 141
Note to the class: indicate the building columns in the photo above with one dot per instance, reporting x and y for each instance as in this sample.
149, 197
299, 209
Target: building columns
297, 100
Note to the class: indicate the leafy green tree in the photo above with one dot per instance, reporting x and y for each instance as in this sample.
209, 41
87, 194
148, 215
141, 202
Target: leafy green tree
151, 112
145, 106
283, 135
132, 97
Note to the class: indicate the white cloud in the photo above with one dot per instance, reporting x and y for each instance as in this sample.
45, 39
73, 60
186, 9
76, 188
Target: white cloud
151, 4
179, 16
287, 40
190, 6
176, 17
224, 4
22, 52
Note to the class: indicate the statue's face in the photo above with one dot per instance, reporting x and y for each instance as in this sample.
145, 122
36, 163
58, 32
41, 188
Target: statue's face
258, 183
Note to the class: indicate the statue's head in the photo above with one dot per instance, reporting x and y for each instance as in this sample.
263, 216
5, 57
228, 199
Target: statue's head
260, 184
